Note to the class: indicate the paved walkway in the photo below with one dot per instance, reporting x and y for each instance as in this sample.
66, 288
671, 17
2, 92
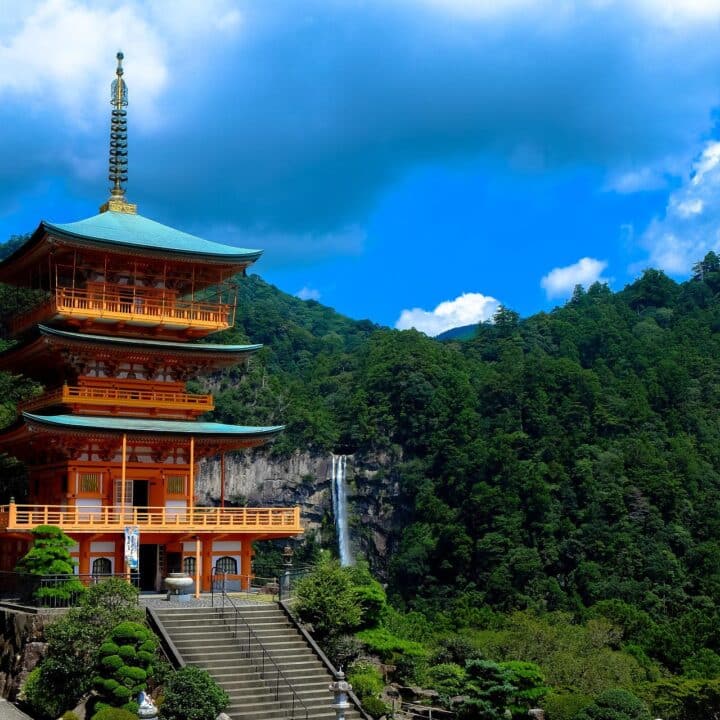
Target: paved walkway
9, 712
204, 601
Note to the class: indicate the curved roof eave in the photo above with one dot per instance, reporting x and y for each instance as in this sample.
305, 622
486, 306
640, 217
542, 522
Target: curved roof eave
136, 232
151, 426
151, 344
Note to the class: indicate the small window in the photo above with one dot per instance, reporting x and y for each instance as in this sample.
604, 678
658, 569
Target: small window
227, 565
189, 565
101, 566
176, 484
89, 482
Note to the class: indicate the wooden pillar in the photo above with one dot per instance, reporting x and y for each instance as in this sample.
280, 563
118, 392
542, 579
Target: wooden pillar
246, 554
191, 488
198, 563
123, 478
119, 565
84, 556
207, 564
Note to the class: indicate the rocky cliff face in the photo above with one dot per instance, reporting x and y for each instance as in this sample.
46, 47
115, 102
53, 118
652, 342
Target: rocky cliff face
22, 645
305, 480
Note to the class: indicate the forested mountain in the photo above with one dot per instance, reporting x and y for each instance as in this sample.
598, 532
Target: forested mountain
568, 461
550, 463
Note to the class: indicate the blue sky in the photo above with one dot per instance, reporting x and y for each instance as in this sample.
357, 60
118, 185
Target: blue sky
415, 162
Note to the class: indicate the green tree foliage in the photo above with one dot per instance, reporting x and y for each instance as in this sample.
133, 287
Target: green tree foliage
326, 600
124, 663
367, 683
192, 694
66, 673
615, 705
50, 556
112, 713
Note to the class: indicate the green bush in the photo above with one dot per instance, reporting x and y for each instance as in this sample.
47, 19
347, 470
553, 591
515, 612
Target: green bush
565, 706
447, 678
76, 643
192, 694
615, 705
123, 672
69, 715
366, 680
50, 555
111, 713
375, 707
40, 696
326, 599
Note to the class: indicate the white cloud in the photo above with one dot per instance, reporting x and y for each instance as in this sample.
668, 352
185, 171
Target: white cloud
308, 293
561, 281
690, 226
633, 181
62, 52
467, 309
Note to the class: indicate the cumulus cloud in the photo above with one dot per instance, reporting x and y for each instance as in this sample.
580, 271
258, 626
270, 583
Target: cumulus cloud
467, 309
308, 293
690, 226
561, 281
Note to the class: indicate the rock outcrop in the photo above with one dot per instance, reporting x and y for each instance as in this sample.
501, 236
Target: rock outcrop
303, 479
22, 645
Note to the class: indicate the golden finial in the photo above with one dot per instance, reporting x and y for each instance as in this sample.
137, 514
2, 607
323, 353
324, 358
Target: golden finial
118, 145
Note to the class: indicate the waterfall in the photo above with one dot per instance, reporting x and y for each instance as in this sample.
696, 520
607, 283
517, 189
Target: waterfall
339, 502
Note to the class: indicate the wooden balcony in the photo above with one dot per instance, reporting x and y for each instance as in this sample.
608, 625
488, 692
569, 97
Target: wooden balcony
266, 521
96, 399
141, 307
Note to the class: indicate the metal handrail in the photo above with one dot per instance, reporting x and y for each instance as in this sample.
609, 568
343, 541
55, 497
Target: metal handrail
254, 640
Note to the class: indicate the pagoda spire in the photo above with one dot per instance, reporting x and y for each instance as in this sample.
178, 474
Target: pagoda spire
118, 145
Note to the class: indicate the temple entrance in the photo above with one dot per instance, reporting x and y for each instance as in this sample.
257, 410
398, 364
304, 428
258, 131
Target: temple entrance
140, 493
148, 566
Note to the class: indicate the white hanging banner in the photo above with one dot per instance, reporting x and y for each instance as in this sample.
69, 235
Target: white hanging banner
132, 546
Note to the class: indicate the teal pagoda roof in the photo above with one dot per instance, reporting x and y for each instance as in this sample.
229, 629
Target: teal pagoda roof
130, 230
168, 345
152, 426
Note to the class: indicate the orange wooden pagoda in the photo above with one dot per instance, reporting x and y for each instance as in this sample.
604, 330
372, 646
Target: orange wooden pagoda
124, 304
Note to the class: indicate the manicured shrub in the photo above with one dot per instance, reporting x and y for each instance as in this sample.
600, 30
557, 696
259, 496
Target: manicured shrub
111, 713
192, 694
123, 669
50, 555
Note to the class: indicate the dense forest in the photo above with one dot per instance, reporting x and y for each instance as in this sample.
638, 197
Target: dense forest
559, 474
552, 462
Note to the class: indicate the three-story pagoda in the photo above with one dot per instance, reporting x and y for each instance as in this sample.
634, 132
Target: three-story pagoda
125, 303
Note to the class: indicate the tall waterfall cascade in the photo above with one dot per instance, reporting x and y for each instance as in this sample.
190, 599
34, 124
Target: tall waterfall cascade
339, 502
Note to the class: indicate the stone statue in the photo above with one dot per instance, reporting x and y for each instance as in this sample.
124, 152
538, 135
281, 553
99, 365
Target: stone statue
147, 707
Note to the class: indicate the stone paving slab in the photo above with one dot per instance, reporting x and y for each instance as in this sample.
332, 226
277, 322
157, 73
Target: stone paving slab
9, 712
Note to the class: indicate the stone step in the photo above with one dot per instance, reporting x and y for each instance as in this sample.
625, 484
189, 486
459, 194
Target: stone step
205, 637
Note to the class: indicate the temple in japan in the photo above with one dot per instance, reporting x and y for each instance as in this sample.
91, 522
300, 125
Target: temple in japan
124, 305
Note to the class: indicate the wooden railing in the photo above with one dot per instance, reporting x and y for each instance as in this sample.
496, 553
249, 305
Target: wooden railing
88, 395
111, 518
123, 303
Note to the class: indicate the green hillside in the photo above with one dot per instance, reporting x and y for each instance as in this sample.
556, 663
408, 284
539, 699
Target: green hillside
566, 463
551, 463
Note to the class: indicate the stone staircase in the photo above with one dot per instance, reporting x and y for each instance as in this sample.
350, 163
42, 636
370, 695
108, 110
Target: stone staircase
204, 638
